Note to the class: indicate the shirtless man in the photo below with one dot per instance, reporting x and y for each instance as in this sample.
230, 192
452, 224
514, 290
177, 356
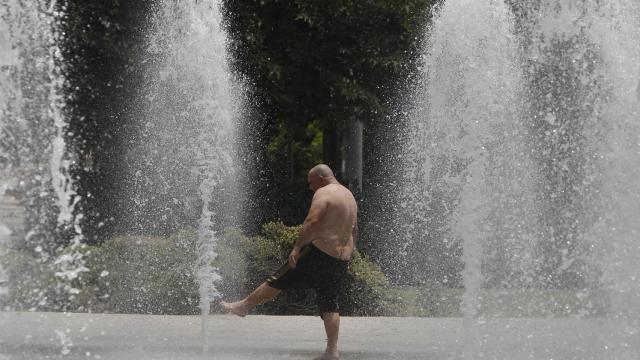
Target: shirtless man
320, 255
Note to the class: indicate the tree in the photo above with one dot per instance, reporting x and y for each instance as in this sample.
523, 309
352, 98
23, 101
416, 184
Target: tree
316, 68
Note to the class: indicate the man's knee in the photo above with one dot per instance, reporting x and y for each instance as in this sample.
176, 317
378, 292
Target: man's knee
327, 315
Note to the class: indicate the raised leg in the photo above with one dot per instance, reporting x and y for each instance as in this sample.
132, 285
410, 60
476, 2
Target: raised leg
261, 294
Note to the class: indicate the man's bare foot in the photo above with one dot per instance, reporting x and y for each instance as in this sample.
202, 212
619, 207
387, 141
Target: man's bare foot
236, 308
328, 356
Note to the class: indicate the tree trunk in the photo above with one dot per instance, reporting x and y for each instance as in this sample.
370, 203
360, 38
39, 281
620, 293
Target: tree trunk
342, 151
330, 147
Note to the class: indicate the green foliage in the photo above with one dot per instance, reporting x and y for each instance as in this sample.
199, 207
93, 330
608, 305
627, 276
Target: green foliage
366, 290
245, 262
127, 274
147, 275
306, 148
33, 286
313, 66
155, 275
326, 60
151, 274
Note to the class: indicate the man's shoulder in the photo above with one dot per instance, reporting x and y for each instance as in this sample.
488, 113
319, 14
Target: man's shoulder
333, 191
331, 188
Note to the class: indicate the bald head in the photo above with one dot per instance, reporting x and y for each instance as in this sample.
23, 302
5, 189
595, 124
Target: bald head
320, 176
322, 170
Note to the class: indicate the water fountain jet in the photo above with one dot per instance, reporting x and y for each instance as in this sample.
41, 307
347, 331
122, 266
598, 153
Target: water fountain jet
191, 122
518, 128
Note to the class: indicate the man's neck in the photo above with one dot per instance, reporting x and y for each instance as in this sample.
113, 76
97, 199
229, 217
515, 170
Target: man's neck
332, 181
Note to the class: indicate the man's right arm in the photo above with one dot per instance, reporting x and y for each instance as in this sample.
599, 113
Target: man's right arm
317, 211
307, 231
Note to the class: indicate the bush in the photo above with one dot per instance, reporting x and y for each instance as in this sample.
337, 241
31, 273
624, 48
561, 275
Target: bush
127, 274
32, 284
155, 275
366, 290
146, 275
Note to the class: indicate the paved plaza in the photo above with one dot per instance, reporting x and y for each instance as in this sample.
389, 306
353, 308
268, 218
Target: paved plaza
108, 336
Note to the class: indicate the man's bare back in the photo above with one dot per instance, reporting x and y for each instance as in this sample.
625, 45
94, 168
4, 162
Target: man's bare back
335, 231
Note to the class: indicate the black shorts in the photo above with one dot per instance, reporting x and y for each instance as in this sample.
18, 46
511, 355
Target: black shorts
315, 270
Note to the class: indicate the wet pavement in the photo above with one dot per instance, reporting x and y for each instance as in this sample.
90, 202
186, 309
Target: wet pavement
110, 336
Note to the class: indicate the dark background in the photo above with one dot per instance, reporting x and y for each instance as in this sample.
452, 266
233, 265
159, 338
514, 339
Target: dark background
312, 69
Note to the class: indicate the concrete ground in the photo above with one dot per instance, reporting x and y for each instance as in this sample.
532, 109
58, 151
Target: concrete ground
108, 336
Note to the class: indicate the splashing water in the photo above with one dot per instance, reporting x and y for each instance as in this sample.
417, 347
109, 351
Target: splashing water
465, 117
8, 61
34, 159
614, 30
585, 51
526, 135
193, 114
72, 263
